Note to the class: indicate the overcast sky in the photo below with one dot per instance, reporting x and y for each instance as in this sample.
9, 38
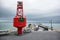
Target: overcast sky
39, 8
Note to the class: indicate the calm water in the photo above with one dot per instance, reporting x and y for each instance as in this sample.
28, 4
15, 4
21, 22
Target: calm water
9, 26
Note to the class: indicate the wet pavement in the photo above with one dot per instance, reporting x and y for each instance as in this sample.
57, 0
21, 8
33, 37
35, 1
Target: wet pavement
42, 35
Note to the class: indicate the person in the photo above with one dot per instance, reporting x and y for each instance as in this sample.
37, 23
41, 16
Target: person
51, 28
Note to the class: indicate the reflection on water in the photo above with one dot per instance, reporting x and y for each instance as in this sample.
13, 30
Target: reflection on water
9, 26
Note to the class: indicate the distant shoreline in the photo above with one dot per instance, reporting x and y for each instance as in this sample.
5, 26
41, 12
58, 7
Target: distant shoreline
32, 22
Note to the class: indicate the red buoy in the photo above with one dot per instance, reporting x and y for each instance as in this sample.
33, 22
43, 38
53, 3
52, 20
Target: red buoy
19, 21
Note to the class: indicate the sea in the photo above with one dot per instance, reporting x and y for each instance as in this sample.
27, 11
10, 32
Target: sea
9, 25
